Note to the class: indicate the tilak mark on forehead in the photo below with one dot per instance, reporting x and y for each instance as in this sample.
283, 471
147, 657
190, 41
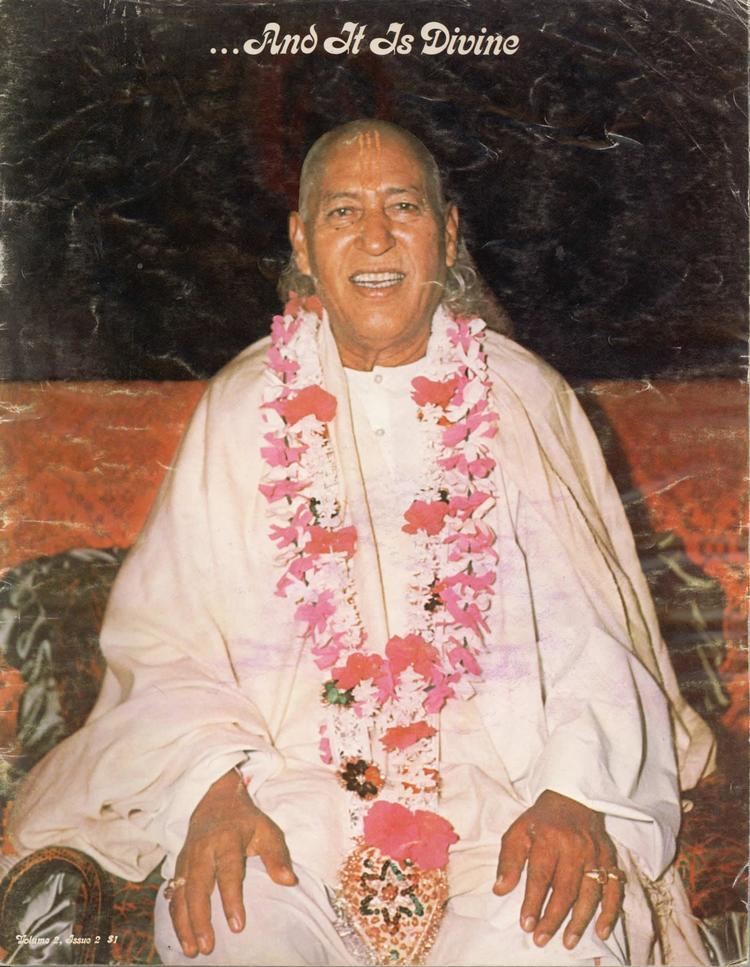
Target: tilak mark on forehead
368, 143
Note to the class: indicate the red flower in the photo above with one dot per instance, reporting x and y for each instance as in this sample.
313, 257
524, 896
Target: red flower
428, 517
402, 736
325, 541
422, 837
308, 303
433, 391
358, 668
310, 400
412, 650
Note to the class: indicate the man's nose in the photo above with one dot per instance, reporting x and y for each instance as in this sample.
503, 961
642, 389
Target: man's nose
375, 232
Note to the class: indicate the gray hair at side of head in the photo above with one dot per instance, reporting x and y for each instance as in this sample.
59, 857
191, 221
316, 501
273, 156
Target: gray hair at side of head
465, 292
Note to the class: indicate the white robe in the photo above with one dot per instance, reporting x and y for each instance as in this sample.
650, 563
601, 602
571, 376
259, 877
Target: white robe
205, 666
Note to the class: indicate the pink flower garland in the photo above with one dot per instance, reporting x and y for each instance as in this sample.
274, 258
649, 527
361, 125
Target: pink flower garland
393, 693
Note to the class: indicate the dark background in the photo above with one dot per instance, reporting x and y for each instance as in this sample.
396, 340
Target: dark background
601, 172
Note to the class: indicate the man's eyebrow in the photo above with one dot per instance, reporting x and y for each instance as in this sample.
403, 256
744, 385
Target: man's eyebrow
330, 196
408, 189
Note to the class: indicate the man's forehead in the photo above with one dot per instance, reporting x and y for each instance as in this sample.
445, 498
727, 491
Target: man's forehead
370, 160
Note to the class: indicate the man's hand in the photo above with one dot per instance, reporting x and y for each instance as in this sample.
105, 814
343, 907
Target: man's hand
225, 828
560, 839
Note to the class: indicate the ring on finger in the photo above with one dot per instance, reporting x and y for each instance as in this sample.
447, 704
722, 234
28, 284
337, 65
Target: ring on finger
598, 875
178, 883
615, 873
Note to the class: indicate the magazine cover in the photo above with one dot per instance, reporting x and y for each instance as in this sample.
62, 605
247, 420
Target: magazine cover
384, 678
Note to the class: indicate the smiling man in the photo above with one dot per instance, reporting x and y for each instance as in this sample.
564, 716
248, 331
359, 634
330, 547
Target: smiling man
385, 684
378, 246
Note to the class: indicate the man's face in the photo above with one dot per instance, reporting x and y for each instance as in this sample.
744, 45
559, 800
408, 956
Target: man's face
376, 249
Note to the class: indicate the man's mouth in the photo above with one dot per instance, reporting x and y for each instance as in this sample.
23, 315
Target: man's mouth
377, 280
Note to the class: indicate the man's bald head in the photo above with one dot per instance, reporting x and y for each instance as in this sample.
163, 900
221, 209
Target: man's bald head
363, 130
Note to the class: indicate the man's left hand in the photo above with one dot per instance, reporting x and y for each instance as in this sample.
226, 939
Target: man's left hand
560, 839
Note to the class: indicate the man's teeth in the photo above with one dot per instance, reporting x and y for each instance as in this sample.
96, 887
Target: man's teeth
377, 280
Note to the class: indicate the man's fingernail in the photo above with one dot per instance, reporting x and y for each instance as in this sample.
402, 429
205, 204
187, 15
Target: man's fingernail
234, 924
528, 924
189, 950
572, 940
605, 932
542, 939
203, 944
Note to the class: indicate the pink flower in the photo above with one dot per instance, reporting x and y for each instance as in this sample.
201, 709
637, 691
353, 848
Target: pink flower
282, 331
295, 572
481, 538
436, 836
316, 615
310, 400
326, 655
439, 694
279, 454
464, 615
477, 582
325, 750
325, 541
402, 736
385, 683
456, 433
283, 366
460, 334
328, 650
411, 651
439, 393
476, 416
421, 836
428, 517
462, 656
358, 668
280, 489
481, 467
464, 507
284, 536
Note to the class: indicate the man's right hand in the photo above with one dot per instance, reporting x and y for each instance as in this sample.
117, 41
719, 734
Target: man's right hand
226, 827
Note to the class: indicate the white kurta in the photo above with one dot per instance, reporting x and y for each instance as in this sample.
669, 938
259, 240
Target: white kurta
205, 666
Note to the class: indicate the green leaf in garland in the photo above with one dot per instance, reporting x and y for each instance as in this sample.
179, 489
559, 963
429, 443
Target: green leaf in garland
336, 696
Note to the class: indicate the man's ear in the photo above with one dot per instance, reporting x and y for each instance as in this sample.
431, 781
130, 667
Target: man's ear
298, 241
451, 235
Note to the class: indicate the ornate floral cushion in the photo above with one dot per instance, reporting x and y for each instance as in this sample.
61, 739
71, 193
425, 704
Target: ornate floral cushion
51, 610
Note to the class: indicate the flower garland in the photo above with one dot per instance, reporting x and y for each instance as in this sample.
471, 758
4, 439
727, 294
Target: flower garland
382, 706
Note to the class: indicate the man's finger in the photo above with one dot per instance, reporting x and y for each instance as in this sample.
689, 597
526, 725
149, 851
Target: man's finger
269, 844
612, 897
514, 849
538, 881
178, 911
198, 890
565, 890
583, 910
230, 872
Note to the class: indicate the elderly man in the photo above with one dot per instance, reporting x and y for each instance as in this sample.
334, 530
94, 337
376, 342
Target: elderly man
384, 681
